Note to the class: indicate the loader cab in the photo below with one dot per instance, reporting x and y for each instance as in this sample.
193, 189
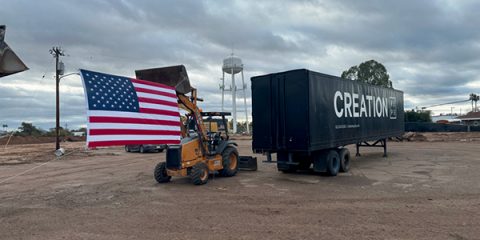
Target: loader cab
216, 125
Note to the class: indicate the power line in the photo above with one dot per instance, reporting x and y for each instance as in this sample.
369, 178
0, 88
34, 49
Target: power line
441, 104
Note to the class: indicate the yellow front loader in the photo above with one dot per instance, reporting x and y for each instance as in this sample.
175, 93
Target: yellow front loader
200, 152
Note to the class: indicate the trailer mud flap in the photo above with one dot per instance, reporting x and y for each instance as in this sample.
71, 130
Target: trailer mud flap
247, 163
320, 161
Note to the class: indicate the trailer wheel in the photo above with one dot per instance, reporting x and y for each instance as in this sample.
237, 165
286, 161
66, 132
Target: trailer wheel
160, 173
344, 160
127, 149
229, 162
142, 150
199, 173
333, 163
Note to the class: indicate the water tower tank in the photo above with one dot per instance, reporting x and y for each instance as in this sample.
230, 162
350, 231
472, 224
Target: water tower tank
232, 63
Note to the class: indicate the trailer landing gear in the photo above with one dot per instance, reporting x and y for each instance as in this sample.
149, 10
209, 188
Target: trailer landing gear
379, 143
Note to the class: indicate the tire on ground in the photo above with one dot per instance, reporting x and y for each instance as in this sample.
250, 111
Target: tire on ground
344, 160
199, 173
333, 163
127, 149
229, 162
142, 150
160, 173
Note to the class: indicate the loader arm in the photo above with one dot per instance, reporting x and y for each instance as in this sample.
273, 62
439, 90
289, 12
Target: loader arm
190, 104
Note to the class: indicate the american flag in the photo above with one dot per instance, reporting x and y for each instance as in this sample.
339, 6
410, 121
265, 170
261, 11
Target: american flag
125, 111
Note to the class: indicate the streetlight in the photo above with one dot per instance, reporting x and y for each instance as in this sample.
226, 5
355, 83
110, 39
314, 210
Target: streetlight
70, 74
58, 150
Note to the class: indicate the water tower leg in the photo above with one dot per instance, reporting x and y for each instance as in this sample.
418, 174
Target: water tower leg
234, 103
245, 102
223, 90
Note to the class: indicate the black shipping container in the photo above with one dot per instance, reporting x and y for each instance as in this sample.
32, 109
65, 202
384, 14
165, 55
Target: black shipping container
303, 112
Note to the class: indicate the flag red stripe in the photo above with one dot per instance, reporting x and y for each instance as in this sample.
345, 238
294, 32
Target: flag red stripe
128, 142
132, 120
160, 112
145, 90
132, 132
155, 84
157, 101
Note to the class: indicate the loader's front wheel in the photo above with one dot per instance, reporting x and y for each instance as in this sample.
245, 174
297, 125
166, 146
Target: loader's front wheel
160, 173
229, 162
199, 173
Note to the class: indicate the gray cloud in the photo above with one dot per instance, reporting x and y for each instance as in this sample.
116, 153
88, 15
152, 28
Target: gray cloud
430, 48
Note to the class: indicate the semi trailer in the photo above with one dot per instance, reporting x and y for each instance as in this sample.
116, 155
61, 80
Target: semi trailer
306, 118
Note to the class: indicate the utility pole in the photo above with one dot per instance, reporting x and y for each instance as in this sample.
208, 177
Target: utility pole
56, 53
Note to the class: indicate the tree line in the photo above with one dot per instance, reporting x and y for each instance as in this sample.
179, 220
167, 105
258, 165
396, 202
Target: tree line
374, 73
28, 129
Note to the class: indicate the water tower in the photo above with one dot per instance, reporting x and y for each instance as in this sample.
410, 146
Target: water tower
233, 65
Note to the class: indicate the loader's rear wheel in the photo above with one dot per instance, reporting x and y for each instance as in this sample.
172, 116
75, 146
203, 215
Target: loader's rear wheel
160, 173
199, 173
344, 160
230, 162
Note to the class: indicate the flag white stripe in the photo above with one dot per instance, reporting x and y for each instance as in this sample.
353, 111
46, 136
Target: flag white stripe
132, 126
100, 113
158, 106
99, 138
166, 90
154, 96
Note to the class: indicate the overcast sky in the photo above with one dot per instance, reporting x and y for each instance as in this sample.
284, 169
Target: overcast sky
430, 48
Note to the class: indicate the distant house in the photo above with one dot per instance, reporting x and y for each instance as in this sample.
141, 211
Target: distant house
446, 119
78, 134
470, 119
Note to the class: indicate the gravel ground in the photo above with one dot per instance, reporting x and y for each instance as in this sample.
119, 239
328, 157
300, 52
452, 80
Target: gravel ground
423, 190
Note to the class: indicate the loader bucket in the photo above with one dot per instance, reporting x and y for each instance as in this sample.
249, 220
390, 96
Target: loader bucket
247, 163
173, 76
10, 63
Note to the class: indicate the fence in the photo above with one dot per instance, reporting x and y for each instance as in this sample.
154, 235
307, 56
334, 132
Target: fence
438, 127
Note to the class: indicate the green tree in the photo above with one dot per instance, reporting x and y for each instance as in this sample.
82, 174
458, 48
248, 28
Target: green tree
418, 116
371, 72
61, 132
27, 129
242, 127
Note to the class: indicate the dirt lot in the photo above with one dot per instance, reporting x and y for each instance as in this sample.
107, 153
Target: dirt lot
423, 190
